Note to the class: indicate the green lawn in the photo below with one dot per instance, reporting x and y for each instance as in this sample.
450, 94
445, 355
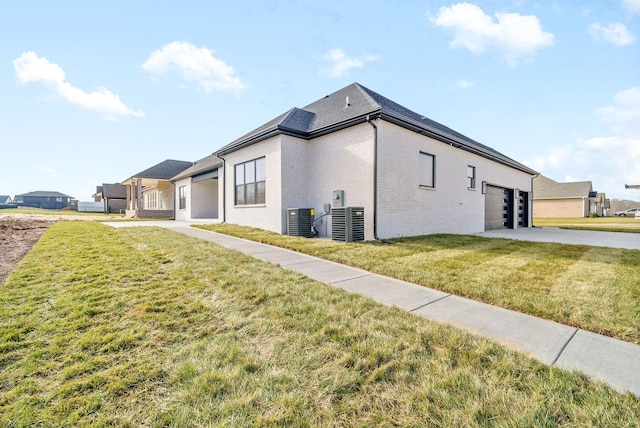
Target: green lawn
147, 327
604, 224
594, 288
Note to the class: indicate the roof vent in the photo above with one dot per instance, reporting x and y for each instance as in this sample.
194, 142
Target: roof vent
346, 103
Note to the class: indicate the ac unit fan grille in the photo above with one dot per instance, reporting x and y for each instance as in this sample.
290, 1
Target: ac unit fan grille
347, 224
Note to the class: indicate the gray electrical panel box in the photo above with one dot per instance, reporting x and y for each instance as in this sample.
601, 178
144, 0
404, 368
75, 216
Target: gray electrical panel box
347, 224
338, 199
300, 221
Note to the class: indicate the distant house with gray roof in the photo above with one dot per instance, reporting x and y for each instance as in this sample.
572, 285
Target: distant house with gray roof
570, 199
5, 199
113, 196
355, 148
150, 193
48, 200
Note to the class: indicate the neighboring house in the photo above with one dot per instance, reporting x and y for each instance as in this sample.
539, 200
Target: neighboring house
5, 199
197, 195
97, 197
46, 200
150, 193
411, 175
572, 199
113, 197
603, 206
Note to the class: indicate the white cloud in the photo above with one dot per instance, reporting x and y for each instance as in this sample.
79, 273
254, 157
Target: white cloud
30, 68
608, 161
615, 33
464, 84
196, 65
512, 34
624, 115
49, 172
341, 63
632, 5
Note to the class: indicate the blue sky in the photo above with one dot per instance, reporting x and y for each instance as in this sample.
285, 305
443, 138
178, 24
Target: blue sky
94, 92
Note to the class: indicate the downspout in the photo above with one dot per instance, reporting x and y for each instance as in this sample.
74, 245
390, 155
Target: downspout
224, 189
532, 177
375, 177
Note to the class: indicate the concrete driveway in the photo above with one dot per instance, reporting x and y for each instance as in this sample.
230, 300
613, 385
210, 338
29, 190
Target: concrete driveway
630, 241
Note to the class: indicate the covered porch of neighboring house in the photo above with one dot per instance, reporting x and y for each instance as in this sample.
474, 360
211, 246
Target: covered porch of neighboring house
149, 198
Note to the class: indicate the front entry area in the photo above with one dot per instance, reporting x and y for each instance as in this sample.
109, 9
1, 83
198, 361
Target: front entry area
505, 208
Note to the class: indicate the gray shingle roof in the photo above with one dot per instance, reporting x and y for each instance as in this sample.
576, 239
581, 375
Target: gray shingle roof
114, 191
353, 105
45, 194
3, 198
204, 165
546, 188
164, 170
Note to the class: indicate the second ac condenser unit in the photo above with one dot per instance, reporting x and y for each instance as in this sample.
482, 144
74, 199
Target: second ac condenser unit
347, 224
299, 222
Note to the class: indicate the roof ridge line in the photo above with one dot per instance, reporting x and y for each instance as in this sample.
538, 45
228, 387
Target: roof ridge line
364, 91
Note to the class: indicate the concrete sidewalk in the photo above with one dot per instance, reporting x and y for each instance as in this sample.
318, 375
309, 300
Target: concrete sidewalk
613, 361
630, 241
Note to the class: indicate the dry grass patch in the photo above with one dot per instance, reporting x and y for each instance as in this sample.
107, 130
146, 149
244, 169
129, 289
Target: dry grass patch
593, 288
146, 327
603, 224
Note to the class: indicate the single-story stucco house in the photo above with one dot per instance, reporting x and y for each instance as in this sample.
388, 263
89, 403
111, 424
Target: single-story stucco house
406, 174
571, 199
149, 193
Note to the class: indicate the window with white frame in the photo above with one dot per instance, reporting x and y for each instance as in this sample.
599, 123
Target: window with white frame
250, 182
182, 197
153, 201
427, 170
471, 177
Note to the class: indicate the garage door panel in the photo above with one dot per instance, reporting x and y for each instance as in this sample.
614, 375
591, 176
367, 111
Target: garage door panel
497, 208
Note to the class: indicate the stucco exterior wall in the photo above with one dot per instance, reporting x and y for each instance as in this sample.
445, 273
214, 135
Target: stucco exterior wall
303, 174
294, 176
342, 160
560, 208
204, 199
268, 215
406, 209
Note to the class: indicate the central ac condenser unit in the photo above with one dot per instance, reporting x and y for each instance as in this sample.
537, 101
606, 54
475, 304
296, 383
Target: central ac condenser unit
300, 222
347, 224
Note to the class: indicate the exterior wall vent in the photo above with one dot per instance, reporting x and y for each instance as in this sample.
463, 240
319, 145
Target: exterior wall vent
299, 222
347, 224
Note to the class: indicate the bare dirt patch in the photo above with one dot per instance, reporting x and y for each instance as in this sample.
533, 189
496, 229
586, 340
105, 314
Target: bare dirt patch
17, 235
19, 232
